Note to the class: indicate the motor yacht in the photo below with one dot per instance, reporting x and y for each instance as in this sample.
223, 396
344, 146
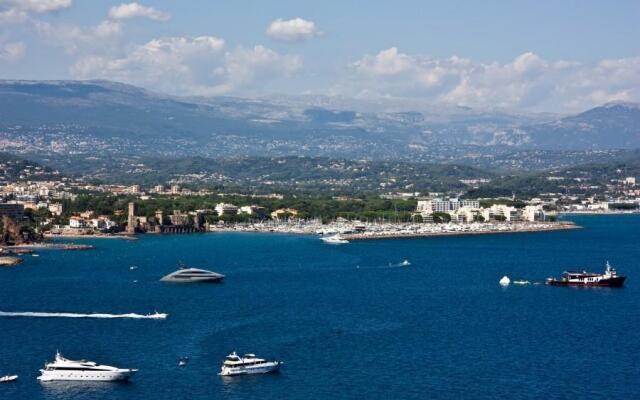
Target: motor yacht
335, 239
192, 275
609, 278
8, 378
248, 364
62, 369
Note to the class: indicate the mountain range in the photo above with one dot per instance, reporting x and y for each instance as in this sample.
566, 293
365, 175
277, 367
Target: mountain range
98, 118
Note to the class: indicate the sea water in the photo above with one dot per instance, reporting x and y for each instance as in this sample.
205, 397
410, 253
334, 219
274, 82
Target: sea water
345, 325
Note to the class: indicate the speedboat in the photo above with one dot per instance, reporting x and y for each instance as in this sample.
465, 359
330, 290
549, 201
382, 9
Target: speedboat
246, 365
609, 278
192, 275
62, 369
8, 378
335, 239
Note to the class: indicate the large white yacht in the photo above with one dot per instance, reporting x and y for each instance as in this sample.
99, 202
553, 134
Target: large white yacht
192, 275
248, 364
62, 369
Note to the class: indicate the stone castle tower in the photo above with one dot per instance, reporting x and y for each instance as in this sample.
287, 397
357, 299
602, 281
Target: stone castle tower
132, 221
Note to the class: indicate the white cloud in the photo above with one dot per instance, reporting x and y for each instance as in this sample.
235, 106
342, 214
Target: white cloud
11, 52
184, 65
527, 82
36, 6
76, 39
292, 30
132, 10
16, 11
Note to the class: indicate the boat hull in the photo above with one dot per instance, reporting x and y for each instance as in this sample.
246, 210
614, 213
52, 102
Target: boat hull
102, 376
611, 282
216, 279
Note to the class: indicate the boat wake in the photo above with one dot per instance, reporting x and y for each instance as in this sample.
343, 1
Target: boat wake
75, 315
402, 264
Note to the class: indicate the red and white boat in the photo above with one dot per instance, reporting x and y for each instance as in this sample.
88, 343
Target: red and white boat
609, 278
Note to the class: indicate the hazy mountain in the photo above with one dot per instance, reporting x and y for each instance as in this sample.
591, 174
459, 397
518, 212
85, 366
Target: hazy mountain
613, 125
103, 118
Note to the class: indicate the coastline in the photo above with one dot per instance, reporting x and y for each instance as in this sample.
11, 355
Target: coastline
88, 236
53, 246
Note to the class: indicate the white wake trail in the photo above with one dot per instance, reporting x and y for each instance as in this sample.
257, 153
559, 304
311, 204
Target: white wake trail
75, 315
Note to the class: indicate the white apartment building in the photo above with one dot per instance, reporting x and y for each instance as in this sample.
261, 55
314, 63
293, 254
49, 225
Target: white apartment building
431, 206
225, 208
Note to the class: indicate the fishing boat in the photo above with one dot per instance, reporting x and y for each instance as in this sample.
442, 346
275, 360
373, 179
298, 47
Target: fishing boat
609, 278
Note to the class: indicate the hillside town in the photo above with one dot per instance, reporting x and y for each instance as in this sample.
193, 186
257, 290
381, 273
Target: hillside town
42, 204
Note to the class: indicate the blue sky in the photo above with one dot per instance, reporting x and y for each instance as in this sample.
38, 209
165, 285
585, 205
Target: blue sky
524, 55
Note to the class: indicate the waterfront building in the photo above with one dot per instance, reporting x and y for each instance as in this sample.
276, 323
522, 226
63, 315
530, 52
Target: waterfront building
284, 213
426, 207
252, 210
179, 218
159, 217
226, 209
132, 222
76, 222
533, 213
501, 212
466, 214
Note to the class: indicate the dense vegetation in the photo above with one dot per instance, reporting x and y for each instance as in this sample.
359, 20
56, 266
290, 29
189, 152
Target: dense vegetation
363, 208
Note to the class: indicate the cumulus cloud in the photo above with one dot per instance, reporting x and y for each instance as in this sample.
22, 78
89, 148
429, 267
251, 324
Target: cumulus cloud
132, 10
11, 52
200, 65
292, 30
526, 82
76, 39
15, 11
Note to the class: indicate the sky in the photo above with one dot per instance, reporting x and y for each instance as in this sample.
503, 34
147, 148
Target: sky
555, 56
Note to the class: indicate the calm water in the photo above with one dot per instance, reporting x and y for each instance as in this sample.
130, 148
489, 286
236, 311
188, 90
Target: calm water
442, 328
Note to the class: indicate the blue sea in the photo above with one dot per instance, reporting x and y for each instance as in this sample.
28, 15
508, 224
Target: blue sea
347, 322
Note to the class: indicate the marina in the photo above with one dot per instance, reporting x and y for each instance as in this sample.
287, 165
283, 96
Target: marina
357, 230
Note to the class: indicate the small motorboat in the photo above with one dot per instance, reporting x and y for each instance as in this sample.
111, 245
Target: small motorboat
8, 378
335, 239
521, 282
183, 362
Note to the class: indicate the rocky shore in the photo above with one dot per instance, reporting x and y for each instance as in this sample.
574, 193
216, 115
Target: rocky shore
8, 261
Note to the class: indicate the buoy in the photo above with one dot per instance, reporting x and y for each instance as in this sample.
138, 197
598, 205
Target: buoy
505, 281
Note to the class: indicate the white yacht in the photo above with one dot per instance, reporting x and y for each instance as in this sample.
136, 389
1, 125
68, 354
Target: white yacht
335, 239
248, 364
192, 275
68, 370
8, 378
